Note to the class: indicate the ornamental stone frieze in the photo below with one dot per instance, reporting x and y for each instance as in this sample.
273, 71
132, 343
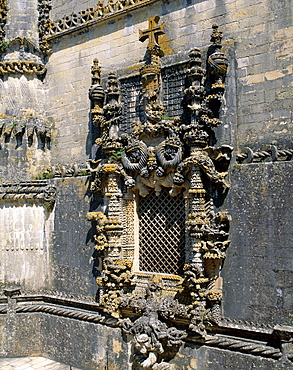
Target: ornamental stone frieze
160, 237
50, 29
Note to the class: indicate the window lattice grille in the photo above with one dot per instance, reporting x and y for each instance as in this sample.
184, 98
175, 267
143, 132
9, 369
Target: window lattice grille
161, 233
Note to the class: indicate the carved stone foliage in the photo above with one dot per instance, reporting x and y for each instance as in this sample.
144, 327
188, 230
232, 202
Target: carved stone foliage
153, 154
154, 341
44, 7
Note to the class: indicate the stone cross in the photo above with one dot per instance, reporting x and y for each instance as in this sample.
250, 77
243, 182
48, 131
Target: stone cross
152, 32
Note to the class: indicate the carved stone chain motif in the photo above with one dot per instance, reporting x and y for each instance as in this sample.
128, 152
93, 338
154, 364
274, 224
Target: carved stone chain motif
158, 156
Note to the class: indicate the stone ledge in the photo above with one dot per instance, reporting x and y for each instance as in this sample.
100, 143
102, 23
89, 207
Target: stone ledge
239, 336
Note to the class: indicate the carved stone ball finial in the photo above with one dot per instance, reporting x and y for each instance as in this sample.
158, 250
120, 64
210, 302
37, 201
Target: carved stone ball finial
216, 36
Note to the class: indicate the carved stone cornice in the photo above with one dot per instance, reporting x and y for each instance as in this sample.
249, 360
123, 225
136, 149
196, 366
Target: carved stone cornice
91, 16
36, 190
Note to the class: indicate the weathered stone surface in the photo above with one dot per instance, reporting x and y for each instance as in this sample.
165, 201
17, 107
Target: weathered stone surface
258, 270
256, 112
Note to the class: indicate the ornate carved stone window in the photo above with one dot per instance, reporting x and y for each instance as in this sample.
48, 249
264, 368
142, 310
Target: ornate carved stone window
160, 239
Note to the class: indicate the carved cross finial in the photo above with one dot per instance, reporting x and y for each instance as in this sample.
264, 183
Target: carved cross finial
153, 32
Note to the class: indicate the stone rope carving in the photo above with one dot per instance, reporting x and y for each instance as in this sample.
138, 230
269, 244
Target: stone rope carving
22, 67
253, 341
38, 190
67, 312
270, 153
158, 153
251, 347
240, 345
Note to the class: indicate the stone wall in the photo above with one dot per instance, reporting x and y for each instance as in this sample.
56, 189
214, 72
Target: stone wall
58, 281
257, 37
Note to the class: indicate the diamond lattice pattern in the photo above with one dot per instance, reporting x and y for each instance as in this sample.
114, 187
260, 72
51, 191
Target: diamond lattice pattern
161, 233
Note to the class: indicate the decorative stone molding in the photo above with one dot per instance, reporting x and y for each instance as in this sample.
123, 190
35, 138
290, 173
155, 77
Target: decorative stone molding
37, 190
85, 18
273, 342
44, 7
3, 20
174, 159
22, 68
60, 171
252, 342
270, 153
21, 56
244, 346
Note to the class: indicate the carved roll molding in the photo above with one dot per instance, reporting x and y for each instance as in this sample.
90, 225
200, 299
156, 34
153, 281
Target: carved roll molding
37, 190
154, 156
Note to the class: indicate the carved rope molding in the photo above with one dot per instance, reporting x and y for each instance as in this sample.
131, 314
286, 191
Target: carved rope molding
22, 67
252, 338
88, 17
38, 190
270, 153
247, 345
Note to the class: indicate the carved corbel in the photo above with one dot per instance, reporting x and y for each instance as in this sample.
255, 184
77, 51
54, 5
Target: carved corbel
153, 339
